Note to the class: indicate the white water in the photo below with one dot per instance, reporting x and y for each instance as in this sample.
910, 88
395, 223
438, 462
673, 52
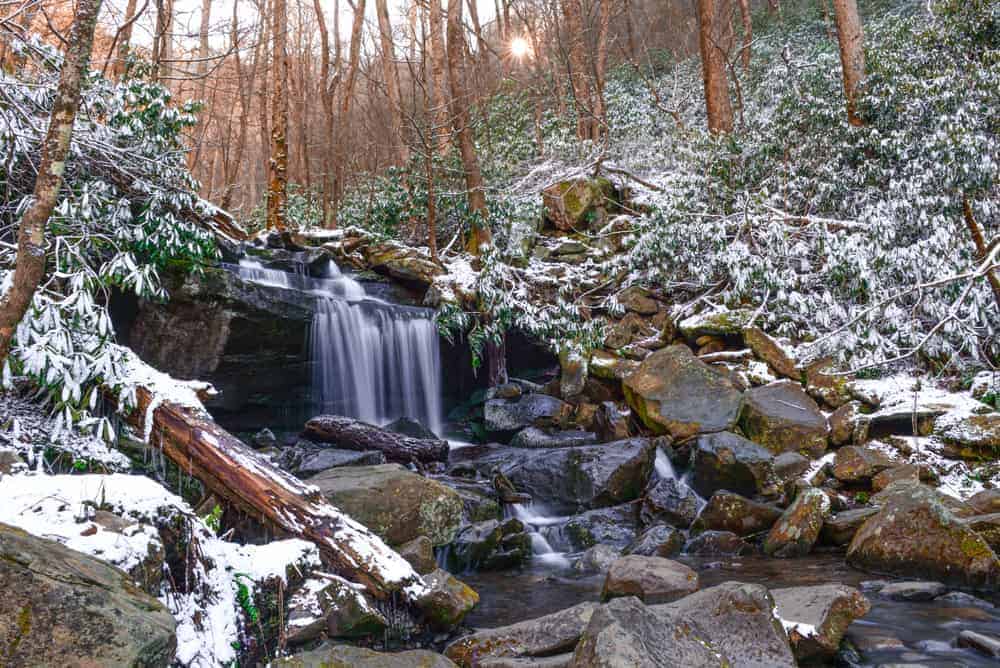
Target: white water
665, 469
372, 360
541, 549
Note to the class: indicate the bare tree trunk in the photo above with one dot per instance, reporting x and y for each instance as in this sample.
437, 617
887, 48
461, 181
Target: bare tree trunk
164, 43
27, 17
124, 39
391, 73
327, 89
480, 233
630, 30
747, 18
202, 73
347, 96
851, 38
439, 86
243, 90
30, 267
277, 190
600, 125
982, 249
713, 16
263, 118
578, 69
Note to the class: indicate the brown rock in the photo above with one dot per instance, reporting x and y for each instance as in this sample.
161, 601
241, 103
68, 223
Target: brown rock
854, 464
770, 351
816, 618
651, 579
798, 529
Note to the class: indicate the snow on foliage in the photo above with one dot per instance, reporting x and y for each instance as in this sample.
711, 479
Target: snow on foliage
125, 215
209, 619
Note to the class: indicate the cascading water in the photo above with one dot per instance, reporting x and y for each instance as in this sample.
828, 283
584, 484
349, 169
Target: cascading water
371, 359
536, 522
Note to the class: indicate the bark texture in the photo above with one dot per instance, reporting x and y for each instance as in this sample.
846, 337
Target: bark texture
277, 190
714, 21
390, 71
850, 38
352, 434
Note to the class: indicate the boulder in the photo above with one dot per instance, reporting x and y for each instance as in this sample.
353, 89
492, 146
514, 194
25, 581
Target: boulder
738, 621
726, 511
638, 300
64, 608
817, 617
630, 329
331, 606
393, 502
529, 410
657, 541
614, 526
783, 418
854, 463
844, 423
597, 559
578, 204
608, 366
671, 501
728, 461
721, 323
571, 479
264, 439
904, 473
610, 423
306, 460
651, 579
916, 533
770, 351
717, 544
971, 435
402, 262
572, 372
543, 636
675, 393
625, 633
410, 427
913, 591
446, 601
982, 643
490, 545
419, 552
789, 466
349, 656
796, 531
533, 437
840, 528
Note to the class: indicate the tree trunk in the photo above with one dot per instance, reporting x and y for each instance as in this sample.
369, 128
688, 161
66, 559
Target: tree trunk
164, 50
347, 96
327, 89
480, 233
713, 16
239, 476
391, 73
850, 37
579, 80
982, 250
243, 90
439, 87
747, 18
30, 265
124, 39
201, 70
600, 126
277, 189
352, 434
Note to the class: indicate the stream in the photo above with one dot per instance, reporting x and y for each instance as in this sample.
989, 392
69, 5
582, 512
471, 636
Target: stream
379, 361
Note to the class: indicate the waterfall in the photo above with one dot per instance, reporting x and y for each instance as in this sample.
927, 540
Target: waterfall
536, 523
371, 359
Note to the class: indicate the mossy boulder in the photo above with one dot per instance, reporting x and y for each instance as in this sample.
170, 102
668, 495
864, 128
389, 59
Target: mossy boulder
728, 461
797, 530
783, 418
402, 262
395, 503
726, 511
856, 464
332, 607
447, 600
490, 545
817, 617
64, 608
608, 366
673, 392
917, 533
971, 436
579, 204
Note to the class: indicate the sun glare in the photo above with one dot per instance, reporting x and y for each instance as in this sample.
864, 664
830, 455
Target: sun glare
519, 47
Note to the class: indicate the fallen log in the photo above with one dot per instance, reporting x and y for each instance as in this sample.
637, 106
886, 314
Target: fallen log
352, 434
173, 420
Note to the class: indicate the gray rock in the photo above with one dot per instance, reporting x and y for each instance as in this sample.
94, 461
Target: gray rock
410, 427
728, 461
738, 621
359, 657
651, 579
790, 465
782, 418
419, 552
670, 501
544, 636
840, 528
965, 600
490, 545
597, 559
982, 643
854, 463
726, 511
626, 633
616, 526
657, 541
817, 617
530, 410
571, 479
446, 601
312, 462
264, 439
331, 607
64, 608
717, 544
913, 591
557, 661
985, 502
673, 392
533, 437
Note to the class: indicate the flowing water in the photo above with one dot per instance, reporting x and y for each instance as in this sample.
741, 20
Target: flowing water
371, 359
